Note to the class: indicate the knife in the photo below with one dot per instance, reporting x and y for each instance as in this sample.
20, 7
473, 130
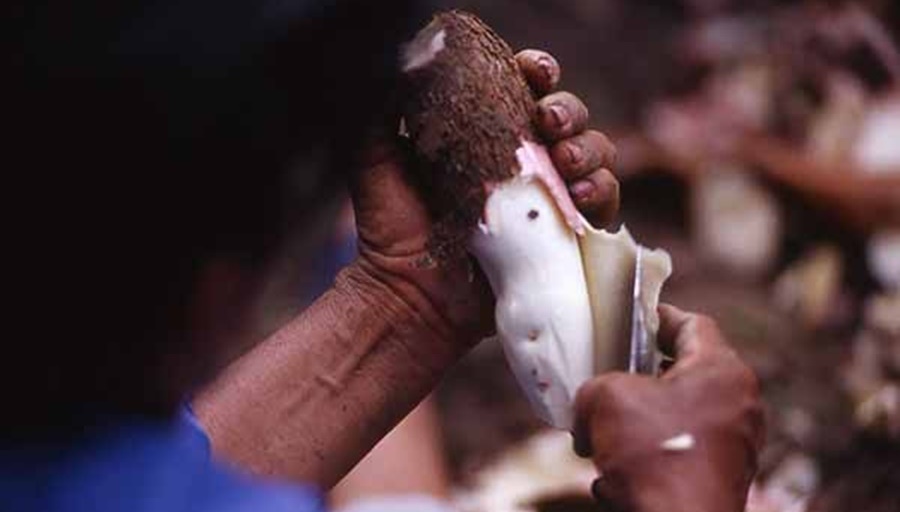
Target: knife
641, 356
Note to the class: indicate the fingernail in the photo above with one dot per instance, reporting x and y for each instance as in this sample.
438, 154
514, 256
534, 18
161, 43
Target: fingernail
574, 153
597, 490
580, 446
582, 190
549, 69
559, 115
600, 495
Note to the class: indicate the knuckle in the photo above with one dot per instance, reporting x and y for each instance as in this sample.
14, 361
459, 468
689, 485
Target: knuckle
706, 330
703, 324
613, 153
586, 392
603, 141
560, 153
604, 178
589, 397
614, 388
606, 199
748, 380
568, 101
604, 150
732, 373
752, 420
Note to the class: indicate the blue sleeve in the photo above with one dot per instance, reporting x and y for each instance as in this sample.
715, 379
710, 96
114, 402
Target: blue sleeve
231, 490
140, 465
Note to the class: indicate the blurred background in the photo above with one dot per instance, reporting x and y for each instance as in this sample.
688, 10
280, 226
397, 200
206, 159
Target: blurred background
759, 143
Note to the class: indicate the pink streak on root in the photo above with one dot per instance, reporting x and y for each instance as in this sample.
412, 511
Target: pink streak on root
534, 161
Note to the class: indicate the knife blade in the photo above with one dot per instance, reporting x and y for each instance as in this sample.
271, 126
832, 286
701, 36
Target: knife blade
641, 355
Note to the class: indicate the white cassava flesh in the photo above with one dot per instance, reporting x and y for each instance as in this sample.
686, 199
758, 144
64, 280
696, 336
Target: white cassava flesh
563, 302
563, 289
417, 56
531, 258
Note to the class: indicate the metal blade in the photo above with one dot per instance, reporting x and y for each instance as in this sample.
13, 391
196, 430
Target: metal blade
641, 356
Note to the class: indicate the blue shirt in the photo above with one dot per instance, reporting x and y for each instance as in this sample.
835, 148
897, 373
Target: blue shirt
139, 467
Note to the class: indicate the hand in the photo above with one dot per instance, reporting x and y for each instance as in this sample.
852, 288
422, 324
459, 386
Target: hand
394, 226
685, 441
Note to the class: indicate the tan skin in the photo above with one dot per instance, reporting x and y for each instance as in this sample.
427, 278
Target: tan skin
708, 393
312, 400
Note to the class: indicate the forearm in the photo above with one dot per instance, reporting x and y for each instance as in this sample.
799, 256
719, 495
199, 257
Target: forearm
309, 402
861, 200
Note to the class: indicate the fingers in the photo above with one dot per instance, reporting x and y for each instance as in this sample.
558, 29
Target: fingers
599, 406
596, 196
585, 403
561, 115
582, 154
541, 70
582, 157
584, 161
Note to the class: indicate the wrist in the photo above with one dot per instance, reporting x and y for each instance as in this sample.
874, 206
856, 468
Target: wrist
451, 295
691, 486
412, 315
652, 498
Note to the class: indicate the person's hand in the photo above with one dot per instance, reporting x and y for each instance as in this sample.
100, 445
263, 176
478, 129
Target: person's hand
394, 226
686, 441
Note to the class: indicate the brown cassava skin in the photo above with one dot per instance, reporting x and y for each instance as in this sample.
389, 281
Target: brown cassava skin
467, 111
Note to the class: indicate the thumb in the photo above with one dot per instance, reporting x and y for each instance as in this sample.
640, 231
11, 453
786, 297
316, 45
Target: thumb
390, 216
686, 336
672, 322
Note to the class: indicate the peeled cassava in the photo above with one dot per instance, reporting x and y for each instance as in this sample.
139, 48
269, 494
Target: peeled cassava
563, 289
